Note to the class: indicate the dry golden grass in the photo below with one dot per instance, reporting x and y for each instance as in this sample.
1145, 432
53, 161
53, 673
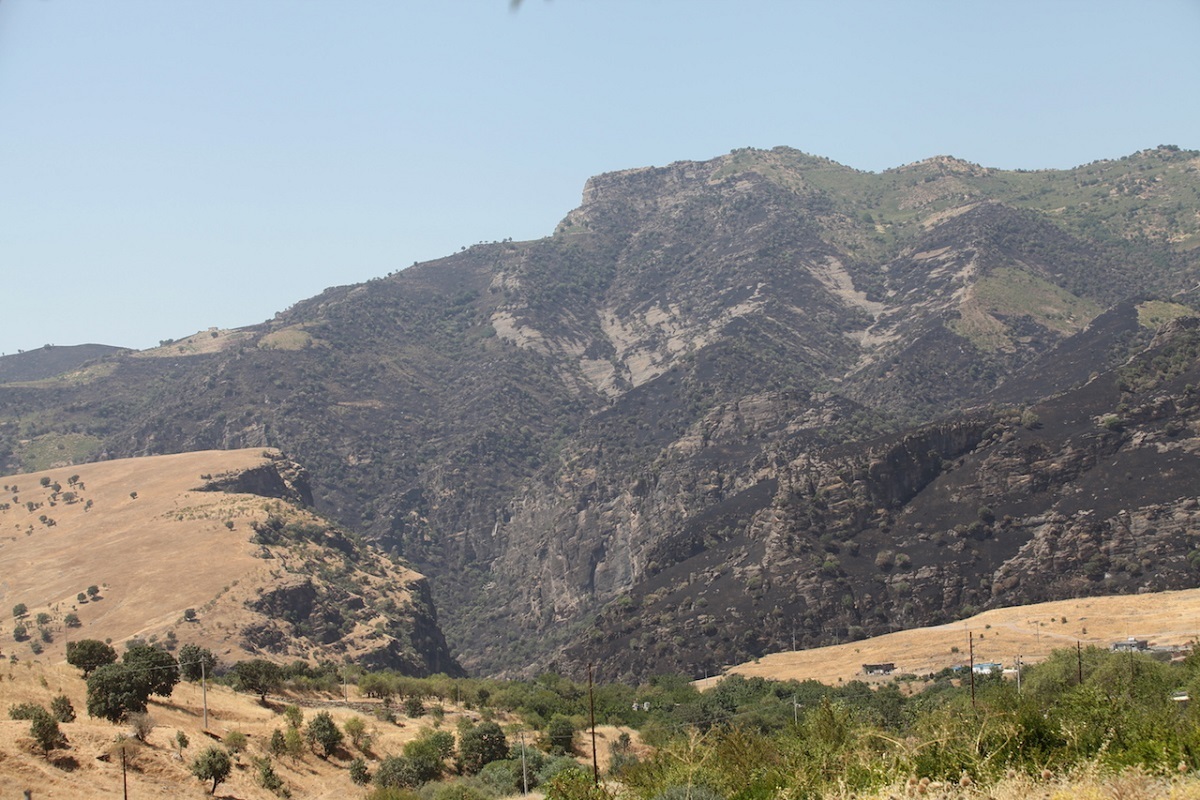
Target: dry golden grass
1163, 618
212, 340
154, 547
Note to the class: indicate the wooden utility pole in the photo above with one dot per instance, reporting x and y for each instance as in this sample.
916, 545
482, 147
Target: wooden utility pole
524, 770
592, 716
971, 648
1079, 660
203, 689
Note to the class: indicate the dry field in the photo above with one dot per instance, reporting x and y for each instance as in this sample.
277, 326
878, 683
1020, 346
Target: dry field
137, 530
1163, 618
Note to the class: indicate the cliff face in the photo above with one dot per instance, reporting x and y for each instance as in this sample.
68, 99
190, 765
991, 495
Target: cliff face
712, 400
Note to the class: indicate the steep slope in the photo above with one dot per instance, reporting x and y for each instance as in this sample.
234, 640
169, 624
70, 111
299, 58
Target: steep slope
1091, 492
547, 427
214, 548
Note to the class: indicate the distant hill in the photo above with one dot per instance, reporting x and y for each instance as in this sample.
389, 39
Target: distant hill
213, 548
726, 400
1002, 635
51, 361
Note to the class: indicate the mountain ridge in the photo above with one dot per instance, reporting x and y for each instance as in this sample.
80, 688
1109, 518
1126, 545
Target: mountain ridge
540, 426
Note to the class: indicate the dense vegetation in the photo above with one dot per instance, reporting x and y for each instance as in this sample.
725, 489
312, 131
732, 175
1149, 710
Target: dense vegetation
752, 738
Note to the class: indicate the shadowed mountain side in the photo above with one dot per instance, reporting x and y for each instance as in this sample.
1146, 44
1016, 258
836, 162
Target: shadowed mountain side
690, 379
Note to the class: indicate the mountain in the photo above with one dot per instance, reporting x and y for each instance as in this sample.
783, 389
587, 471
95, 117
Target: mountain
711, 401
210, 548
49, 361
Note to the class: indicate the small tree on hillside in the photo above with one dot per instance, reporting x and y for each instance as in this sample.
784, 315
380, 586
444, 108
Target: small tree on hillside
258, 676
44, 730
212, 765
481, 745
61, 709
324, 733
88, 654
561, 735
195, 662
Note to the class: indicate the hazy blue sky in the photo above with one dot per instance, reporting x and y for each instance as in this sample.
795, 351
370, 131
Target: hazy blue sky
170, 165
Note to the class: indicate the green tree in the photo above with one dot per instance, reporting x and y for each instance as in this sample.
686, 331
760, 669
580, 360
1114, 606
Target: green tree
399, 772
235, 742
359, 773
113, 691
293, 743
356, 729
294, 716
88, 654
481, 745
61, 709
258, 676
324, 733
181, 742
156, 669
560, 734
212, 765
45, 732
195, 662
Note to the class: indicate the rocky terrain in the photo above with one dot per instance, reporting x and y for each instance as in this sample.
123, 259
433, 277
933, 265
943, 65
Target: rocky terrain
725, 402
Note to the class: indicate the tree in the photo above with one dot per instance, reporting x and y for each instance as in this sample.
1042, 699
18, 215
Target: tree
323, 732
258, 676
356, 729
181, 742
359, 774
481, 745
113, 691
44, 730
93, 591
235, 742
142, 724
294, 743
294, 716
212, 765
71, 620
154, 667
195, 662
561, 735
88, 654
61, 709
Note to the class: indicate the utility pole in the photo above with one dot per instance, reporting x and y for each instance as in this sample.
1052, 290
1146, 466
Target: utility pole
971, 647
524, 770
592, 715
795, 710
1079, 659
1018, 674
204, 693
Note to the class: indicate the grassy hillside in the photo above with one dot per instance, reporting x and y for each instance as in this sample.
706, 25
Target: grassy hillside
1032, 632
153, 549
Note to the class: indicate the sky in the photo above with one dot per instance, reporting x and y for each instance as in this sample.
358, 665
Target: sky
167, 166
